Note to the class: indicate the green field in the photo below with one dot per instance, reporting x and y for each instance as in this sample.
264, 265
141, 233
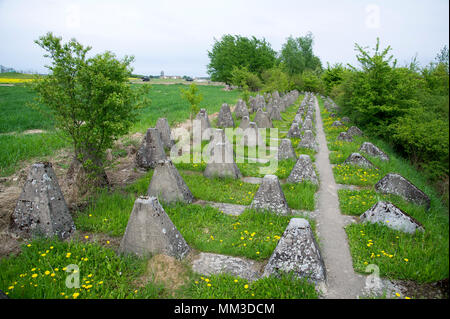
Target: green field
16, 117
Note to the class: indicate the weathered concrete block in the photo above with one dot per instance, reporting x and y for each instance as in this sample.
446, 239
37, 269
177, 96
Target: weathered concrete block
285, 150
303, 171
245, 122
337, 123
359, 160
205, 125
151, 150
150, 231
251, 136
294, 131
168, 185
297, 252
307, 124
275, 114
221, 162
270, 196
374, 151
214, 264
343, 136
398, 185
41, 209
353, 130
345, 119
162, 125
262, 119
225, 119
308, 140
241, 109
388, 214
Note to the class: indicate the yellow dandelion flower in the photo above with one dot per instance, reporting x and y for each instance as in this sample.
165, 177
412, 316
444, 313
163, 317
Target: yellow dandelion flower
246, 286
397, 294
75, 295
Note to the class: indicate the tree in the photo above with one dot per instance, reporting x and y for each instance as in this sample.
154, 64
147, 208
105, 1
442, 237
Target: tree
275, 80
193, 97
333, 76
237, 51
90, 99
242, 77
297, 55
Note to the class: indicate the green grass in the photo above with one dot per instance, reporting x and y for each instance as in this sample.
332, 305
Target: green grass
252, 234
301, 195
422, 257
229, 287
226, 190
15, 75
16, 148
15, 115
39, 272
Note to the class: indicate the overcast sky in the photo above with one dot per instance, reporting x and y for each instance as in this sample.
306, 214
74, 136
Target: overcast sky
175, 36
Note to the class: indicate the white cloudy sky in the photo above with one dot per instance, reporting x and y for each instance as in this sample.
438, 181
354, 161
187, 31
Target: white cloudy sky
175, 36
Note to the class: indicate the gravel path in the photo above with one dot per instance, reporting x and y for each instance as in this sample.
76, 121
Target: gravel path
342, 281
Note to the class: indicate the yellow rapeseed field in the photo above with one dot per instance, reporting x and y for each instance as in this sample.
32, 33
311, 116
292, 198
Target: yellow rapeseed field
8, 80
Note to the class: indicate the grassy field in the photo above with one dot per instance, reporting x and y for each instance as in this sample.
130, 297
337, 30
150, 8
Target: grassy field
16, 117
38, 272
423, 257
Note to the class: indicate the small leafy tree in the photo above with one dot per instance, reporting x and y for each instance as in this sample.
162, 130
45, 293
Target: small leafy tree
242, 77
90, 99
193, 97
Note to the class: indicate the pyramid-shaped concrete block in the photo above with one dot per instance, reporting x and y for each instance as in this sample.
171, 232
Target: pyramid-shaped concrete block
358, 160
251, 136
303, 171
388, 214
221, 162
285, 150
241, 109
245, 122
297, 252
398, 185
168, 185
294, 131
343, 136
308, 140
374, 151
162, 125
262, 119
205, 125
41, 209
151, 150
354, 131
307, 124
270, 196
298, 119
225, 119
275, 114
150, 231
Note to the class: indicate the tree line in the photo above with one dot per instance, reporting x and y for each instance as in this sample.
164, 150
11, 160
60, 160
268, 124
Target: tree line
407, 106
